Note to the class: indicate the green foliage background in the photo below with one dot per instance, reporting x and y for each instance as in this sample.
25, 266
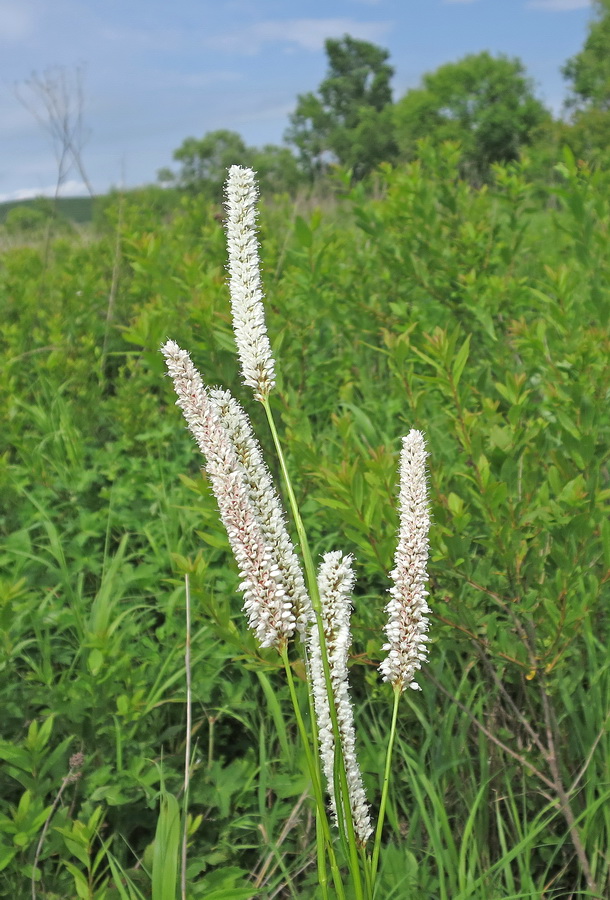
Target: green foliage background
478, 315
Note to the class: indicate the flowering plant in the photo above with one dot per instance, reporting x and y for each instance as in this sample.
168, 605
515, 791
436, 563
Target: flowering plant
287, 603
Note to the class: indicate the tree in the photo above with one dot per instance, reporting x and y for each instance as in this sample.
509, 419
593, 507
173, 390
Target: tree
56, 100
277, 169
204, 163
589, 72
349, 120
484, 102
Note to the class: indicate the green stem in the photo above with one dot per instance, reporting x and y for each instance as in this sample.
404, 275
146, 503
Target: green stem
321, 854
344, 804
298, 521
316, 781
386, 785
366, 867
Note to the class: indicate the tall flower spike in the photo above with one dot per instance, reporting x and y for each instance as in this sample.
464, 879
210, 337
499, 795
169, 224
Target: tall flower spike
245, 286
335, 582
266, 604
407, 623
266, 502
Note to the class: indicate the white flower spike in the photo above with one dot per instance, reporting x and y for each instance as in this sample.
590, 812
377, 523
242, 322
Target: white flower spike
335, 582
407, 610
266, 603
245, 286
266, 502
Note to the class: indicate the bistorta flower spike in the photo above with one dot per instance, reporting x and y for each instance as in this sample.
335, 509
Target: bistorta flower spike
266, 501
335, 583
407, 623
266, 603
245, 286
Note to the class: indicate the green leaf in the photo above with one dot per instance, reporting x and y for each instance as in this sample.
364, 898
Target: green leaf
331, 502
276, 712
7, 854
166, 849
455, 504
76, 841
460, 361
219, 541
80, 882
95, 661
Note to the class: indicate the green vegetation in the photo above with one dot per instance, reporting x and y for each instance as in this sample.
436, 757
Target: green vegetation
479, 315
39, 210
204, 164
589, 73
349, 120
486, 103
589, 70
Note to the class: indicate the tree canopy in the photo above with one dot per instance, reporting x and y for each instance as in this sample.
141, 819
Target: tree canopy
589, 70
486, 103
589, 74
204, 163
349, 119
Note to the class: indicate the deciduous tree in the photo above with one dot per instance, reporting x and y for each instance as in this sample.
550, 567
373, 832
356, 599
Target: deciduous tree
204, 163
589, 74
589, 70
348, 120
486, 103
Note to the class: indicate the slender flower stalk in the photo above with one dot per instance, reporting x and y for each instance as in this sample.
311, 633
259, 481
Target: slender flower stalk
266, 502
245, 286
407, 623
335, 582
266, 603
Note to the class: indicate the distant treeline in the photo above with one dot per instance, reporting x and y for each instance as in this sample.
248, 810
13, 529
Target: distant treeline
39, 209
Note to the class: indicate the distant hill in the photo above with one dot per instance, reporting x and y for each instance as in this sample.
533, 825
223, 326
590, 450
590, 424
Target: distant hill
75, 209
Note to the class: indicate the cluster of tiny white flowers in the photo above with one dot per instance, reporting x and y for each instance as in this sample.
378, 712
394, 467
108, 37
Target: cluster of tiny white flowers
335, 582
266, 502
245, 286
266, 603
407, 623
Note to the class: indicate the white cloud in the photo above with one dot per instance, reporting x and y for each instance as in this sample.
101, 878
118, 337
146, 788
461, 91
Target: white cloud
309, 34
15, 20
69, 189
558, 5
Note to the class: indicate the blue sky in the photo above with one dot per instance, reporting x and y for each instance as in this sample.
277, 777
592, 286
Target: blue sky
161, 70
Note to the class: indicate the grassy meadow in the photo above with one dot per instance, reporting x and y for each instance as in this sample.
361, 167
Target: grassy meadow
481, 317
